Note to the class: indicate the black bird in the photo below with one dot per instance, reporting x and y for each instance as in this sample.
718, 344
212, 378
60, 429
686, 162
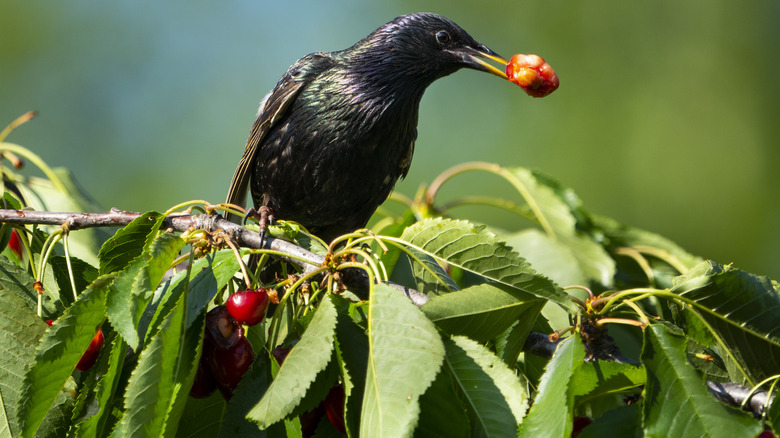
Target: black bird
338, 130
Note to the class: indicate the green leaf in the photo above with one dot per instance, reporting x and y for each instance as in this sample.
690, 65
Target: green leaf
495, 396
559, 211
208, 274
441, 412
190, 346
619, 422
97, 402
551, 257
477, 251
509, 344
677, 402
310, 356
405, 354
551, 414
157, 379
134, 286
202, 417
597, 378
742, 309
20, 330
128, 242
352, 354
15, 280
60, 349
432, 279
256, 381
480, 312
83, 274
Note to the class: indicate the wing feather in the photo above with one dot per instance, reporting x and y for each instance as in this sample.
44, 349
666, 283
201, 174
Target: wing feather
272, 108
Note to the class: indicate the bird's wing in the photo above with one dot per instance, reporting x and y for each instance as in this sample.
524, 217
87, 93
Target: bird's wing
271, 110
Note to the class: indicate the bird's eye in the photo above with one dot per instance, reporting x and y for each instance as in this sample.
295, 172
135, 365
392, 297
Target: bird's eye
442, 37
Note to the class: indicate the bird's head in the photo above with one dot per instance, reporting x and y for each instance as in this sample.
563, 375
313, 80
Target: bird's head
424, 47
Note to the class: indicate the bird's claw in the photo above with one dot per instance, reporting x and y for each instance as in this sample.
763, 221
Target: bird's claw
264, 216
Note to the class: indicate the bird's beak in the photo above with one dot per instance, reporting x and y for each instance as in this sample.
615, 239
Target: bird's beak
476, 58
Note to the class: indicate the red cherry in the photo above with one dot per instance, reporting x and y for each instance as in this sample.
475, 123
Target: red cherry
50, 322
334, 408
90, 356
280, 354
204, 384
766, 434
229, 365
221, 329
248, 306
310, 420
15, 243
579, 424
532, 74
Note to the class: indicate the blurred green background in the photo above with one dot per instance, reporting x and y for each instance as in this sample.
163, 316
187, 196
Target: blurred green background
666, 118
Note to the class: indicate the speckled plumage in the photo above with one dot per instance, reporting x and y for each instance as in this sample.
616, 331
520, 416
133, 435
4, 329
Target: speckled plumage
338, 130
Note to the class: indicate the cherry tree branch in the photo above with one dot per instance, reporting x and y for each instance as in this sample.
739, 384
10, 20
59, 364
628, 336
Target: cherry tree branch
306, 260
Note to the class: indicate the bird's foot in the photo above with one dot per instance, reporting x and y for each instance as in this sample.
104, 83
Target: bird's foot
264, 216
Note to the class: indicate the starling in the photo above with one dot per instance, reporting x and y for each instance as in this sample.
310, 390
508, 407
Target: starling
338, 130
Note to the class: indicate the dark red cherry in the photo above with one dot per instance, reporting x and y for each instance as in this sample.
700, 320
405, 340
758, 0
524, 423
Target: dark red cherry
228, 366
204, 384
334, 408
579, 424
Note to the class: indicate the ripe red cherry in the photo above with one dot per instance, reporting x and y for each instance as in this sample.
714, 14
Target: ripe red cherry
90, 356
15, 243
334, 408
229, 365
532, 74
50, 322
248, 306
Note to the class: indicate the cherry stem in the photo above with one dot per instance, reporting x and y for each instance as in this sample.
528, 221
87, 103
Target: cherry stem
276, 319
638, 311
625, 321
24, 118
232, 246
65, 245
756, 387
496, 169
